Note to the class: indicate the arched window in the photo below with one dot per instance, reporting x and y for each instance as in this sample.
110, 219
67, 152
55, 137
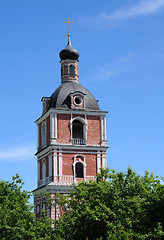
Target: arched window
77, 128
72, 69
44, 131
79, 173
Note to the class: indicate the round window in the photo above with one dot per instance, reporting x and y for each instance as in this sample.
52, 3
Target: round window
77, 100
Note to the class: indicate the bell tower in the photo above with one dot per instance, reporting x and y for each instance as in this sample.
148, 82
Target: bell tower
72, 141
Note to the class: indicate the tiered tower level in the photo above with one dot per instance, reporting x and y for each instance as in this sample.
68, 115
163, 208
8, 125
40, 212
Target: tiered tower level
72, 141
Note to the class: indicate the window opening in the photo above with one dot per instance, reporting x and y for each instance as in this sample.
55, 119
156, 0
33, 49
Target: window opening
79, 170
77, 129
78, 100
61, 71
72, 69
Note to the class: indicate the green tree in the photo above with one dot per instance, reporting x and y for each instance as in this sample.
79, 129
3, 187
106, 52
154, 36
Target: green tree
126, 206
17, 221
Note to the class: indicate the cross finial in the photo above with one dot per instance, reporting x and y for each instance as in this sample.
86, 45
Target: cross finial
69, 22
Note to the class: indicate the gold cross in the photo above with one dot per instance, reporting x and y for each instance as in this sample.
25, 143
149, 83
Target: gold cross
69, 22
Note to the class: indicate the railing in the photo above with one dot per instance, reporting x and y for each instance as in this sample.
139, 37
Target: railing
78, 141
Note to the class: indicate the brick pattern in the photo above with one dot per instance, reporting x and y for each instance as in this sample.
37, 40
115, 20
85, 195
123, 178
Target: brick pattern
91, 135
65, 69
64, 134
94, 132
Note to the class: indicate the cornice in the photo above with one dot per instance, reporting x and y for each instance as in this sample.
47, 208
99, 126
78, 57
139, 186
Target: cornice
72, 149
70, 111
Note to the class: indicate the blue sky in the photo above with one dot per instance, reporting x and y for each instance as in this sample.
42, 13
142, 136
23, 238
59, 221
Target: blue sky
121, 46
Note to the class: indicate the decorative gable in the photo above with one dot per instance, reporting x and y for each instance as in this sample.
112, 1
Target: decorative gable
77, 100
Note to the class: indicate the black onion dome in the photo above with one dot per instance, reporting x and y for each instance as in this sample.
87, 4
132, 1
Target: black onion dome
61, 98
69, 52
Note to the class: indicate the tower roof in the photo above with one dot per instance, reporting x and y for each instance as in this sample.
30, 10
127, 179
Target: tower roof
69, 52
61, 98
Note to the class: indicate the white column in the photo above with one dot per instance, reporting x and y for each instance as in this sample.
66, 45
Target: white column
43, 170
104, 127
84, 168
55, 122
55, 164
103, 160
52, 126
60, 164
37, 136
86, 126
38, 171
98, 162
50, 165
102, 135
74, 160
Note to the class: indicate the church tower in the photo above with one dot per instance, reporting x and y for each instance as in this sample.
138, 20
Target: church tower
72, 141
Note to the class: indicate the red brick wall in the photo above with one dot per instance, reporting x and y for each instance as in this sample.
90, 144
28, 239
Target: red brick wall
91, 168
90, 160
64, 134
67, 160
94, 131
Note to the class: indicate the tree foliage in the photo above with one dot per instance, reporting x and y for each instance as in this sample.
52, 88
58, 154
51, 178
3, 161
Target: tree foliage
117, 206
17, 221
125, 206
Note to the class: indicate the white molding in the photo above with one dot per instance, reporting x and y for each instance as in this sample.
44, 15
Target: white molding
38, 136
68, 111
44, 170
102, 129
60, 164
79, 161
55, 126
44, 134
103, 160
98, 162
50, 165
53, 189
54, 156
85, 126
73, 149
52, 125
38, 171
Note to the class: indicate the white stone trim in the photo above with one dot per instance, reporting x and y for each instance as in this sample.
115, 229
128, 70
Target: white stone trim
54, 156
78, 149
44, 134
60, 164
53, 189
73, 111
75, 161
98, 162
50, 165
43, 170
55, 134
102, 129
38, 136
70, 126
38, 171
103, 160
85, 125
52, 125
